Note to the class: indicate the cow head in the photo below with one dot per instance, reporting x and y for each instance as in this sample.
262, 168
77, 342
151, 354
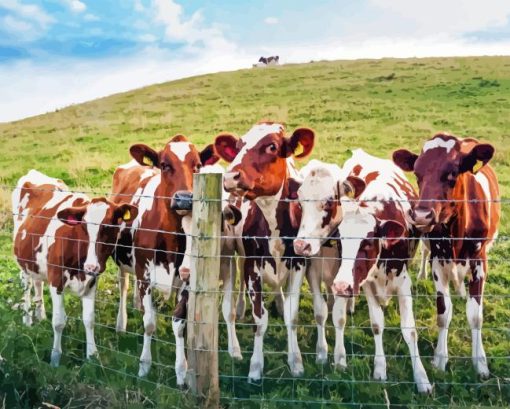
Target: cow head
442, 162
362, 237
178, 160
320, 196
100, 220
258, 161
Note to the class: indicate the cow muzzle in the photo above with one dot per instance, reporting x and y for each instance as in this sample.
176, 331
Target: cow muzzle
342, 289
236, 183
184, 273
302, 247
91, 268
182, 202
423, 219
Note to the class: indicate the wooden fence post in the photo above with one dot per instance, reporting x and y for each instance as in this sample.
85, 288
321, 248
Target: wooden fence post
204, 286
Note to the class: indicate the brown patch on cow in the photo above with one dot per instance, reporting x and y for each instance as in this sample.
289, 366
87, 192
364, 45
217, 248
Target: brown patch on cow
370, 176
356, 170
440, 303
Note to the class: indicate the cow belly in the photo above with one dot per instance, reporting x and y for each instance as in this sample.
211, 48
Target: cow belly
273, 278
161, 277
78, 286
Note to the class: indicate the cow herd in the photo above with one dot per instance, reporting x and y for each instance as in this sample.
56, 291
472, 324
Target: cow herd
347, 229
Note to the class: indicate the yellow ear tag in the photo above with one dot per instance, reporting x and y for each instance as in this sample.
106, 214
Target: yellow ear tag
299, 149
147, 161
350, 194
477, 166
332, 242
231, 220
126, 216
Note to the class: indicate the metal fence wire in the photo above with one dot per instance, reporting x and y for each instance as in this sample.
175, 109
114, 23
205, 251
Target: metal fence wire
322, 383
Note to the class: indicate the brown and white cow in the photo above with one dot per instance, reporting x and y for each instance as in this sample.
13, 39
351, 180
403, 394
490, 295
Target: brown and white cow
319, 197
64, 239
153, 247
377, 244
261, 167
459, 211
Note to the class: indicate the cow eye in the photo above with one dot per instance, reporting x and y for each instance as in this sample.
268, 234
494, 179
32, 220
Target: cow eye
166, 167
197, 167
271, 148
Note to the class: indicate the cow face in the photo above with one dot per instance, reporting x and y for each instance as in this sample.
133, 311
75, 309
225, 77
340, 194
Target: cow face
100, 221
441, 164
258, 161
362, 236
177, 161
320, 197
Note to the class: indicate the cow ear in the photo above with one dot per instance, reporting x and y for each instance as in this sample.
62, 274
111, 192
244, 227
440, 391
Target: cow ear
124, 213
178, 138
208, 156
391, 232
404, 159
225, 145
352, 187
300, 144
144, 155
478, 157
232, 215
72, 216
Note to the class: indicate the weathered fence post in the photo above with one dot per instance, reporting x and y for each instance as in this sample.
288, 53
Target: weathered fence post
204, 281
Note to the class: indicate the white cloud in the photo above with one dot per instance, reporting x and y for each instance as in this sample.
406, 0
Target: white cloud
139, 5
148, 38
91, 17
271, 20
76, 6
29, 12
15, 25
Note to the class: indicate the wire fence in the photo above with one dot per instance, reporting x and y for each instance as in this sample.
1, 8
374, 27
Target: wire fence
322, 383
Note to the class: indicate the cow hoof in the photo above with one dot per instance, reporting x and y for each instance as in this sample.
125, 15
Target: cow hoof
341, 363
380, 373
93, 354
296, 367
40, 315
55, 358
255, 372
144, 369
322, 356
120, 327
235, 353
27, 320
424, 387
439, 362
482, 368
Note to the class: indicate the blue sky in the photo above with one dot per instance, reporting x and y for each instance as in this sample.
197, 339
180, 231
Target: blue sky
57, 52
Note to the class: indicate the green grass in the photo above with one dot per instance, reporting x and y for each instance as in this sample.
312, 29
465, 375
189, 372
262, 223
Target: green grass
378, 105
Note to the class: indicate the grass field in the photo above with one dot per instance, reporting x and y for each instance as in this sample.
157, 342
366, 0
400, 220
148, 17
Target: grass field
378, 105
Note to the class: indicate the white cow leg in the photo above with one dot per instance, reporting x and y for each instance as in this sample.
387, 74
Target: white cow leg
26, 281
377, 322
320, 310
88, 314
291, 309
40, 310
123, 289
425, 253
149, 323
228, 306
279, 300
474, 312
58, 322
241, 299
178, 327
339, 320
444, 312
137, 302
408, 326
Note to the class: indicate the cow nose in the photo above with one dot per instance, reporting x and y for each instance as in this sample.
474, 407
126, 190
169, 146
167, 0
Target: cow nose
424, 217
91, 268
342, 289
182, 200
184, 273
302, 248
230, 180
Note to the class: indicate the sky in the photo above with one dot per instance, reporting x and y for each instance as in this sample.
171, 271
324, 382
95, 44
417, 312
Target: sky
54, 53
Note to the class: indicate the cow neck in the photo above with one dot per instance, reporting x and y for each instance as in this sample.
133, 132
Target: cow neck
459, 194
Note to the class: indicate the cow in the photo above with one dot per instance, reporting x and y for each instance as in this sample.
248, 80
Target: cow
458, 209
319, 197
377, 244
64, 239
260, 170
160, 184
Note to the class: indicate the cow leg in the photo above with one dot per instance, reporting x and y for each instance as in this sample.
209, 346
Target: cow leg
124, 278
241, 299
149, 323
279, 300
228, 307
137, 303
291, 309
88, 315
40, 310
320, 310
425, 254
444, 311
474, 312
178, 327
339, 319
58, 322
408, 326
377, 321
259, 312
26, 281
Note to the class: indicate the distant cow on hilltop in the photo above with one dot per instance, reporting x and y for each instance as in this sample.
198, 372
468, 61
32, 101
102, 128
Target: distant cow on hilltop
265, 61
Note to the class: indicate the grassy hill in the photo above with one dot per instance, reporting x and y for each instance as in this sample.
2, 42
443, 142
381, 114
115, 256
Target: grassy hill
378, 105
